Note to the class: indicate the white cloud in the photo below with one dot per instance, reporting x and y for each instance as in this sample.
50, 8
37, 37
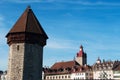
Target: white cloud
3, 45
29, 1
60, 44
3, 64
3, 30
81, 2
66, 4
1, 20
68, 14
21, 1
92, 3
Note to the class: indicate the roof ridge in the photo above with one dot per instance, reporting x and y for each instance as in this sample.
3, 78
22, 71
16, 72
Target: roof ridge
27, 16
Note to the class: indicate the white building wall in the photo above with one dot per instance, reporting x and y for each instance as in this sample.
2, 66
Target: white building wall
42, 75
3, 77
109, 74
58, 77
79, 75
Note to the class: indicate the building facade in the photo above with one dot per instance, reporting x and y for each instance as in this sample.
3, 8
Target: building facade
26, 40
60, 70
116, 70
1, 73
116, 74
58, 77
67, 73
74, 69
103, 70
4, 76
82, 72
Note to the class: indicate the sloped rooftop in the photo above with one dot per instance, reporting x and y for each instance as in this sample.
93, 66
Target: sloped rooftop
28, 23
67, 64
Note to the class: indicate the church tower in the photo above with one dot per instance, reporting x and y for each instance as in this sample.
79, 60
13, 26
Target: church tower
26, 41
81, 57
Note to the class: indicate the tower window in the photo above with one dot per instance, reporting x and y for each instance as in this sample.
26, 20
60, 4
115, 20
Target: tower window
18, 47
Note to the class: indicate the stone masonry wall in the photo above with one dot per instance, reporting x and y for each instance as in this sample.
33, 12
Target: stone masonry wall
25, 62
79, 60
33, 62
15, 64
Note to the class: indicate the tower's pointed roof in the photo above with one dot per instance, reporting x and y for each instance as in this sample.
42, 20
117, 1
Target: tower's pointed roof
81, 52
28, 23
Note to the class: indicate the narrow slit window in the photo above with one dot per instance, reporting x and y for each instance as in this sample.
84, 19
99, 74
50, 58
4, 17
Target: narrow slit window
18, 47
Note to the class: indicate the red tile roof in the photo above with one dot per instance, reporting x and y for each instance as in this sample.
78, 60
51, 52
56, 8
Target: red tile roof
68, 64
66, 68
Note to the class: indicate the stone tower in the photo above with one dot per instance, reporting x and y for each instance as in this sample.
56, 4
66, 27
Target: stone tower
26, 41
81, 56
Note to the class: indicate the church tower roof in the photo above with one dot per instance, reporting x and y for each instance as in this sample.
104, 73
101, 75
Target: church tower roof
28, 23
81, 52
27, 29
81, 56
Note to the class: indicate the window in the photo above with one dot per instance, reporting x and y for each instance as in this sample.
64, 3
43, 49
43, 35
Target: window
53, 77
116, 76
65, 76
18, 47
116, 72
59, 77
109, 74
86, 73
68, 76
62, 77
47, 77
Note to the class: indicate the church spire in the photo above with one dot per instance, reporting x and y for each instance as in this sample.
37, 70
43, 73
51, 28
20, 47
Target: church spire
81, 52
81, 48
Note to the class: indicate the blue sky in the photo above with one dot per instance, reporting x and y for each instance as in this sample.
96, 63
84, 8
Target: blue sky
95, 24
